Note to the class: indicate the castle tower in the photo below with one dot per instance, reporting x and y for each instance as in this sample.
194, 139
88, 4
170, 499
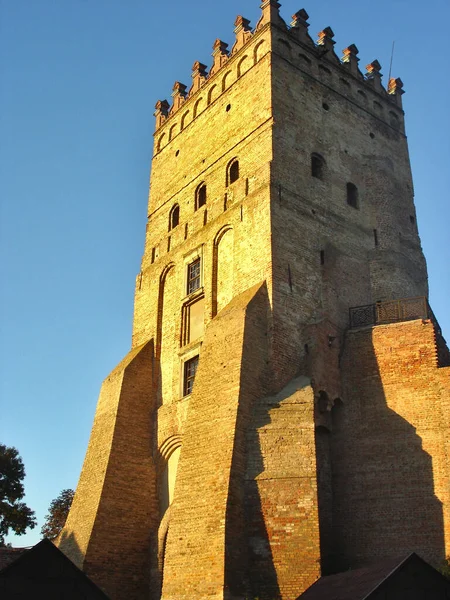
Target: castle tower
284, 410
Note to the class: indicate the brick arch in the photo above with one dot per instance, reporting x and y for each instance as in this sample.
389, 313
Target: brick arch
211, 93
226, 80
172, 131
323, 401
160, 143
223, 259
165, 371
167, 478
183, 120
222, 231
394, 121
256, 51
197, 107
168, 447
244, 61
286, 45
162, 280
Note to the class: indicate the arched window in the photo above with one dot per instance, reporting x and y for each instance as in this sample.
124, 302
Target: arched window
200, 196
352, 195
233, 171
393, 119
174, 217
317, 166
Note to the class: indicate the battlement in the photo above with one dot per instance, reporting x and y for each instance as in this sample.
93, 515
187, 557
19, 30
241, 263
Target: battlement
318, 59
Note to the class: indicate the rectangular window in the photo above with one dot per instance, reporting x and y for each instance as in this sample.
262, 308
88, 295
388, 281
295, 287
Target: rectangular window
190, 369
193, 321
193, 276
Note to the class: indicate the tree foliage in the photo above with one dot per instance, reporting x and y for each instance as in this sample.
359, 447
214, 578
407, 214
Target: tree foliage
14, 514
57, 514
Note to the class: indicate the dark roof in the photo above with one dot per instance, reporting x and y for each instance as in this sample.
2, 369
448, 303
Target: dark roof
45, 572
360, 583
8, 555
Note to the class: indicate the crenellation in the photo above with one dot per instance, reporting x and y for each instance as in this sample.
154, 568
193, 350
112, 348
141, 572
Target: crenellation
325, 45
199, 76
220, 56
373, 76
179, 96
162, 112
271, 14
320, 54
350, 60
395, 89
243, 33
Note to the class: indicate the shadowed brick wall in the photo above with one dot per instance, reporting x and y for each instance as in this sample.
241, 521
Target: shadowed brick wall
281, 492
206, 530
390, 446
115, 506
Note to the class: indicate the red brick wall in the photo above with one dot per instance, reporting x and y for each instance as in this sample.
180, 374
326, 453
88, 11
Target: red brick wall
281, 494
390, 446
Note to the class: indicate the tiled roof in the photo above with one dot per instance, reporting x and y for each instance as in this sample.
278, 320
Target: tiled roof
8, 555
45, 572
353, 585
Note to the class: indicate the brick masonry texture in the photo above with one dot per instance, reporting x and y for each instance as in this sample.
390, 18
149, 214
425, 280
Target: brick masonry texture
304, 448
392, 436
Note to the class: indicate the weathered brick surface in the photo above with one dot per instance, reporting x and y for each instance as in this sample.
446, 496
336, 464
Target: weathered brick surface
390, 446
311, 215
281, 492
207, 522
304, 446
107, 533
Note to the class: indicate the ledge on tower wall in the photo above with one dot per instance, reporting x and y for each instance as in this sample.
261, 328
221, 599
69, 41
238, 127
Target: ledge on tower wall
394, 311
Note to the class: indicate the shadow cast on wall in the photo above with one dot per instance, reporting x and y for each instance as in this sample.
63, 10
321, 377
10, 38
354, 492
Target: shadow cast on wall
376, 485
254, 380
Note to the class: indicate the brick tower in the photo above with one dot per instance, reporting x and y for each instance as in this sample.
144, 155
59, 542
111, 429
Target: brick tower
283, 273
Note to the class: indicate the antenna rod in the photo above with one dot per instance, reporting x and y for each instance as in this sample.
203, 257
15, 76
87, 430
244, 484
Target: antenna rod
392, 58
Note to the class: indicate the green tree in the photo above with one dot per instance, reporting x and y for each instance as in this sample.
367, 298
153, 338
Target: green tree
57, 514
14, 514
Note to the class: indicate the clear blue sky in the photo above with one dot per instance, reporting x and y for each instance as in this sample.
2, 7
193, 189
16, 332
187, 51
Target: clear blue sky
79, 80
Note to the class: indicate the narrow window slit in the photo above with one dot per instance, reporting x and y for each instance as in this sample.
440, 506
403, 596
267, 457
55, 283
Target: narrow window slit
352, 195
317, 166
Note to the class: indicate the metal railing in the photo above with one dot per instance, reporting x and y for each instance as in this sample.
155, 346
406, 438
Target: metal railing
393, 311
390, 311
